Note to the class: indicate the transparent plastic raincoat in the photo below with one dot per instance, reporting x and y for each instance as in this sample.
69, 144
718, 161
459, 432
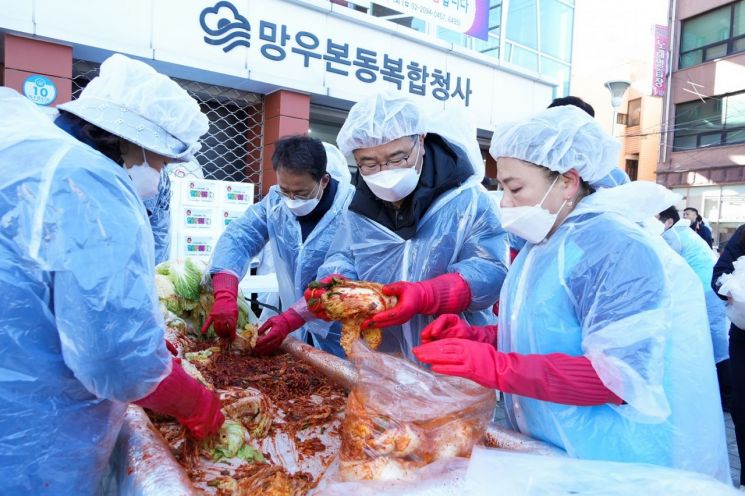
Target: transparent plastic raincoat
700, 258
158, 207
159, 214
460, 232
295, 261
80, 331
602, 287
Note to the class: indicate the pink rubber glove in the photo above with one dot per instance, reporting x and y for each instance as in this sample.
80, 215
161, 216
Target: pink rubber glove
276, 329
448, 293
194, 406
451, 326
224, 313
556, 377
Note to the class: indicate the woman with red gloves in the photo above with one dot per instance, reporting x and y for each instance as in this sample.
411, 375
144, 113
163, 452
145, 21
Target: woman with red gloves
603, 346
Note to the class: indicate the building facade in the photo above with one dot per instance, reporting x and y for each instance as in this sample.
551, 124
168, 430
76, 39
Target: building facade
263, 69
616, 41
703, 147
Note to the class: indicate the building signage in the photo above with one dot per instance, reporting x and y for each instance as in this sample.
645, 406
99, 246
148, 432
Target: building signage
659, 77
463, 16
275, 41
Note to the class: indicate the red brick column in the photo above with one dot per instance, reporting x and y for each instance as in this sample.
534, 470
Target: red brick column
27, 56
285, 113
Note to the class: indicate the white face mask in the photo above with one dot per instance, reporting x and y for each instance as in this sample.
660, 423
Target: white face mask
531, 223
301, 206
393, 184
144, 178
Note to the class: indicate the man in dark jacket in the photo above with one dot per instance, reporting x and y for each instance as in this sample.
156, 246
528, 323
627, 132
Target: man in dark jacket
419, 221
735, 249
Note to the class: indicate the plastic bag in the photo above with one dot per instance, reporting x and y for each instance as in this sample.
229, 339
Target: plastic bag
445, 477
520, 474
400, 417
733, 286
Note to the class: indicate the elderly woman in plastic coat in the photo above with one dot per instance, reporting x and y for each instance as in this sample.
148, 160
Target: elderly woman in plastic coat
155, 192
80, 330
602, 347
419, 222
701, 259
299, 233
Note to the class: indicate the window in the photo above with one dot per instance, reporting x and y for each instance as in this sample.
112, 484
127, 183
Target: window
719, 120
621, 119
634, 112
538, 37
713, 35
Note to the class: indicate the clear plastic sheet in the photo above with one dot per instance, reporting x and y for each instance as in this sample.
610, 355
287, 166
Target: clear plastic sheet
493, 471
444, 477
400, 418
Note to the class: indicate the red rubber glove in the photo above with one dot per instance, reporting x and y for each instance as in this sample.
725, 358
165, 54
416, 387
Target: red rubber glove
194, 406
451, 326
276, 329
171, 348
556, 377
313, 294
224, 313
448, 293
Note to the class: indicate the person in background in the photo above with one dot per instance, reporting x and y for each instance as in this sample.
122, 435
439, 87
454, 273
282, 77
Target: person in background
700, 258
603, 346
574, 101
734, 249
81, 333
419, 222
698, 225
298, 220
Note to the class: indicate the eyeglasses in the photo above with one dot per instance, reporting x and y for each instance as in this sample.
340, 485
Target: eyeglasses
293, 196
394, 164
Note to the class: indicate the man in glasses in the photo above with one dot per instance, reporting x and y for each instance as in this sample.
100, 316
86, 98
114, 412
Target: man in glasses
419, 221
298, 218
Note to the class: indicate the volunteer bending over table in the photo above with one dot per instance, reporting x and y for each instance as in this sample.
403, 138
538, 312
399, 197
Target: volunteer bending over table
298, 219
419, 222
81, 334
603, 347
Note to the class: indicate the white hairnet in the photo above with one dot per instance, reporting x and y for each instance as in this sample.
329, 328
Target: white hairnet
336, 164
132, 100
562, 138
384, 117
379, 119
